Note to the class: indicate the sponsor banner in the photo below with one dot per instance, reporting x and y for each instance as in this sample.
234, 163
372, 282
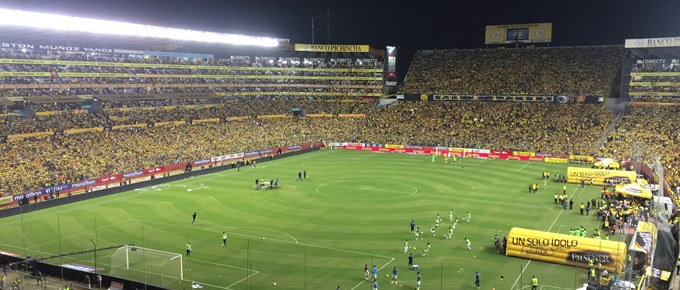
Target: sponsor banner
109, 179
6, 199
645, 237
227, 157
29, 195
514, 33
133, 174
633, 189
79, 267
501, 152
657, 273
251, 154
475, 150
265, 152
565, 249
331, 47
296, 147
54, 47
393, 146
354, 144
201, 162
581, 158
336, 144
154, 170
555, 160
653, 42
523, 153
85, 183
599, 176
534, 158
492, 98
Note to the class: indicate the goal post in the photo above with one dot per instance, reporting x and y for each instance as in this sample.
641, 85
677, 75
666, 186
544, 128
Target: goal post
147, 265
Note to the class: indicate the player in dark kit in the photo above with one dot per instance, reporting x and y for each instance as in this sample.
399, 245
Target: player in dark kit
193, 220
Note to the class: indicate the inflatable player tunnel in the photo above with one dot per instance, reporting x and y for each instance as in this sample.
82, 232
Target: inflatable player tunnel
565, 249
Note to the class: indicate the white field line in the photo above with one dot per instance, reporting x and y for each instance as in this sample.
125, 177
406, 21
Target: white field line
525, 165
244, 278
362, 281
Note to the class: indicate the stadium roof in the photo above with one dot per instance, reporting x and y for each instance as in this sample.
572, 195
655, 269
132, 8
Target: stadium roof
38, 28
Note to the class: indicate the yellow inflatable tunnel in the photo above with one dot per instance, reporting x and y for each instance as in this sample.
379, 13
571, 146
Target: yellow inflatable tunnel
599, 176
565, 249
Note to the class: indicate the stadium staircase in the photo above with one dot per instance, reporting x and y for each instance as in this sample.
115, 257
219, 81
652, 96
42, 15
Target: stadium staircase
608, 132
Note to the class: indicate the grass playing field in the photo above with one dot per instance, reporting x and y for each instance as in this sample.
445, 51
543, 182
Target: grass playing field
354, 209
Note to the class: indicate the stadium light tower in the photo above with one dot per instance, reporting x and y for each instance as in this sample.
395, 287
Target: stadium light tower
67, 23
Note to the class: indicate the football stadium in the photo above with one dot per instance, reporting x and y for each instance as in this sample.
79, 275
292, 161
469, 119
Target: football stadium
137, 156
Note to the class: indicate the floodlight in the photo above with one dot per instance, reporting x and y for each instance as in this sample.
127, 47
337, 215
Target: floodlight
68, 23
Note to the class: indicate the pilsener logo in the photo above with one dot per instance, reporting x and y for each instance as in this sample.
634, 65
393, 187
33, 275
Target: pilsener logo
583, 257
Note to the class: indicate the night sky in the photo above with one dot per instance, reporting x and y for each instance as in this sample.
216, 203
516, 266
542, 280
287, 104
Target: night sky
408, 24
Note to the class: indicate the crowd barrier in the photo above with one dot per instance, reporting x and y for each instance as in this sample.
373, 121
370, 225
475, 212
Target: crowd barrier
96, 184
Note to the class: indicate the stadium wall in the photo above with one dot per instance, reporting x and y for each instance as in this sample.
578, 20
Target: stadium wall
146, 177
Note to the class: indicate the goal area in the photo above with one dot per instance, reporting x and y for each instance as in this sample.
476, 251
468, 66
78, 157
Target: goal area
147, 265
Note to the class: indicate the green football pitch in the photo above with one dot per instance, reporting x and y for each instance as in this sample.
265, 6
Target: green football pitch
353, 209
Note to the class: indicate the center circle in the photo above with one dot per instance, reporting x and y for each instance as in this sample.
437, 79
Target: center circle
367, 189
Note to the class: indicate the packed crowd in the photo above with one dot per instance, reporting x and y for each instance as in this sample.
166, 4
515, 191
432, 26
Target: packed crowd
364, 61
122, 113
45, 161
132, 74
570, 71
542, 127
648, 132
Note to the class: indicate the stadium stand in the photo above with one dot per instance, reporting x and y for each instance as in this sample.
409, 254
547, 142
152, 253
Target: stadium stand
543, 127
571, 71
51, 160
645, 132
63, 110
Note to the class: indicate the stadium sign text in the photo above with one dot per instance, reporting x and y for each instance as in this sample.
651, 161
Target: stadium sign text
55, 47
653, 42
331, 47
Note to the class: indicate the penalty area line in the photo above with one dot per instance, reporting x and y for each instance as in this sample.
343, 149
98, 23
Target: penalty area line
244, 278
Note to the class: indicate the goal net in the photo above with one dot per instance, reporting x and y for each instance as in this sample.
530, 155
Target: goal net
147, 265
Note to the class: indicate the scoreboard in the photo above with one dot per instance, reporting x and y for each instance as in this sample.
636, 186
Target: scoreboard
513, 33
